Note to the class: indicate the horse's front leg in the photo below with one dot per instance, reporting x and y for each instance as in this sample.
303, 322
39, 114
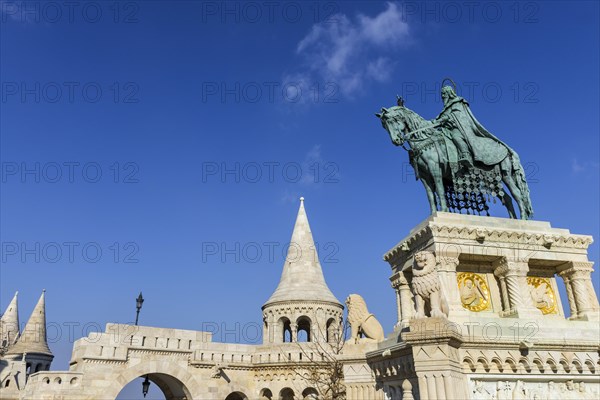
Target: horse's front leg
428, 184
436, 175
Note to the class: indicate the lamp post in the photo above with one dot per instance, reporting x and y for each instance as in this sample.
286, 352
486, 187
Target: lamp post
138, 306
145, 386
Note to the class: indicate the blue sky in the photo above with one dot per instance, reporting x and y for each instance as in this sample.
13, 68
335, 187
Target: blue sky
155, 132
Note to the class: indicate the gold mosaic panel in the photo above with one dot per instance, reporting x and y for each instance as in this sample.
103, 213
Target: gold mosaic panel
474, 291
542, 294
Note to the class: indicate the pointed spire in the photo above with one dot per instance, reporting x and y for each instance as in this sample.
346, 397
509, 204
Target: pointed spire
302, 277
9, 323
33, 337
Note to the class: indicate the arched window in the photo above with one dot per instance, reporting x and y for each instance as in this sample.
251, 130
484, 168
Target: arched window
310, 393
236, 396
286, 330
286, 394
304, 329
331, 331
266, 394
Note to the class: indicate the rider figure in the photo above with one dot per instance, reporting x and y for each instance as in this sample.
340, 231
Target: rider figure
469, 136
449, 119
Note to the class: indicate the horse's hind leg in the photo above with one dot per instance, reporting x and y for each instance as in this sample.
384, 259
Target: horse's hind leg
510, 207
507, 178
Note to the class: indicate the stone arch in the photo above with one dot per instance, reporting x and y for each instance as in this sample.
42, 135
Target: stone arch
565, 365
497, 363
524, 363
469, 364
304, 324
287, 394
285, 328
539, 364
484, 363
310, 393
236, 396
330, 330
577, 364
175, 382
266, 394
552, 365
511, 364
590, 365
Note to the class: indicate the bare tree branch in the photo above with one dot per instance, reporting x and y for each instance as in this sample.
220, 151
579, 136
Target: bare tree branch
320, 366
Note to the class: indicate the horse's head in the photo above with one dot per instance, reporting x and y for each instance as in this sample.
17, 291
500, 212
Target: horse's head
393, 121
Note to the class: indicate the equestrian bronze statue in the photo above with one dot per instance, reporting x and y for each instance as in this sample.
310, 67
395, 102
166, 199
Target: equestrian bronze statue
460, 163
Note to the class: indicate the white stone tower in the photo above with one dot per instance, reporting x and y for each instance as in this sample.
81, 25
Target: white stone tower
302, 308
9, 325
31, 347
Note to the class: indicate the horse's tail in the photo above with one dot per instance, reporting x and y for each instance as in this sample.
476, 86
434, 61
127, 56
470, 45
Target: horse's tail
521, 182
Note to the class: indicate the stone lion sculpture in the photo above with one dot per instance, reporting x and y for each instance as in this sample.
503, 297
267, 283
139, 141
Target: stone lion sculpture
427, 286
362, 322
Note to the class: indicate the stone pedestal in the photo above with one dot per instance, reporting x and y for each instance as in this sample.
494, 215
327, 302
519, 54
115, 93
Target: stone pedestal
436, 359
506, 334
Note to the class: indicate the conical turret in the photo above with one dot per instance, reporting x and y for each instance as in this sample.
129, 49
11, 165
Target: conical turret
302, 277
33, 338
9, 324
302, 308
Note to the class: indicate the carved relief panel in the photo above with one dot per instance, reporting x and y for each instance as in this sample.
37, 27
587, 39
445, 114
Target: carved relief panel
474, 291
543, 294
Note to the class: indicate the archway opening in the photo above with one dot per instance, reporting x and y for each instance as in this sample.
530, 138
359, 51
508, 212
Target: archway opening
286, 330
310, 393
266, 394
303, 329
286, 394
162, 387
331, 331
236, 396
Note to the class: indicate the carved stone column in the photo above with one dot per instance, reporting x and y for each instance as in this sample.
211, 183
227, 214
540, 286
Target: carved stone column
396, 285
580, 291
404, 300
447, 271
514, 289
571, 297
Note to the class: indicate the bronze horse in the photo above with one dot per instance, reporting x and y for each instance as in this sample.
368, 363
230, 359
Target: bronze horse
432, 165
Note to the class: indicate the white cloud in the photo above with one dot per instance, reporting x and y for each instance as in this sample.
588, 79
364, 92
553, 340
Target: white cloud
579, 167
352, 52
316, 172
384, 27
313, 163
576, 167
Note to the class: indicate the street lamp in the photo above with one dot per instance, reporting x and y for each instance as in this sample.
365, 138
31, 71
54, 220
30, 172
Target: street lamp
145, 386
138, 306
